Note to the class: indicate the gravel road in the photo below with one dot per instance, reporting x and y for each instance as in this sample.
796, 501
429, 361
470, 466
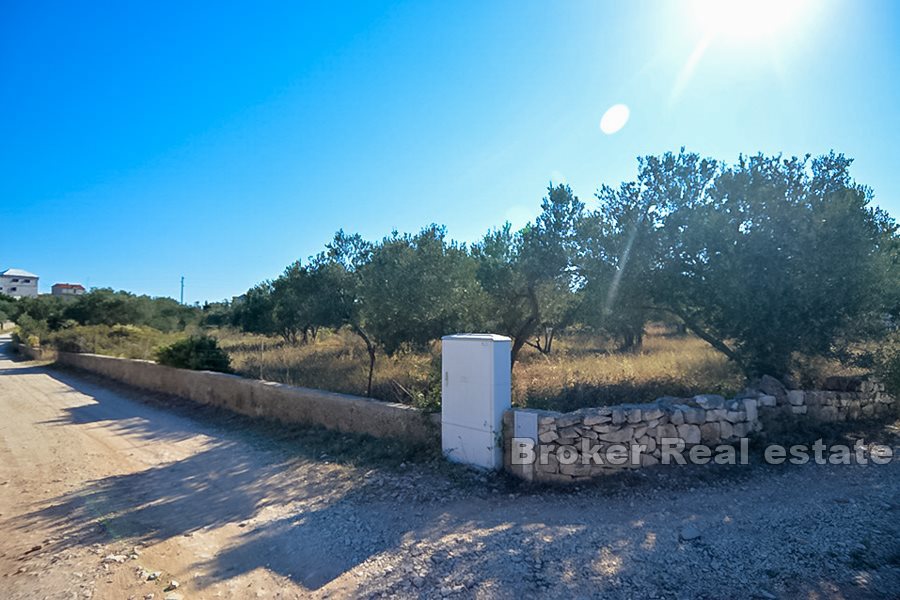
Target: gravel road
107, 493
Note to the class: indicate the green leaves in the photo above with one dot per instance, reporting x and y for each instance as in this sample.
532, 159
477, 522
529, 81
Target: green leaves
763, 259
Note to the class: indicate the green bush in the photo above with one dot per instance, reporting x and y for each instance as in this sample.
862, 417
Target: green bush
30, 331
200, 353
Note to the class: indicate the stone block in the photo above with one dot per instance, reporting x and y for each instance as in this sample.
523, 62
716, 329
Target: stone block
751, 407
633, 415
569, 432
795, 398
709, 401
666, 431
768, 401
726, 429
598, 418
548, 436
735, 416
771, 386
568, 420
715, 415
689, 433
652, 413
711, 433
648, 442
622, 435
695, 416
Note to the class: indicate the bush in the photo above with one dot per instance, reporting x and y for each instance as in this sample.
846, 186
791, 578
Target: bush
127, 341
888, 365
200, 353
30, 331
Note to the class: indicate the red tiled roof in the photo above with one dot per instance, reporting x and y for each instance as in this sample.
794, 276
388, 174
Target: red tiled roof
74, 286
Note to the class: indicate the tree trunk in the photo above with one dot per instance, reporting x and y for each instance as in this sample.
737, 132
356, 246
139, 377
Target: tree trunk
548, 340
524, 333
370, 348
632, 340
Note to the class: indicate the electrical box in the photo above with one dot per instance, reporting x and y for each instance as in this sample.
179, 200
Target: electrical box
475, 392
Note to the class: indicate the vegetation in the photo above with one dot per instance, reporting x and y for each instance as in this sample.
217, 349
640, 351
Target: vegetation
102, 321
127, 341
583, 370
770, 261
774, 266
200, 353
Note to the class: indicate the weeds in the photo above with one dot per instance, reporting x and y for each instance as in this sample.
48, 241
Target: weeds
582, 371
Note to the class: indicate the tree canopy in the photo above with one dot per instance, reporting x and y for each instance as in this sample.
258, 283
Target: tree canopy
765, 259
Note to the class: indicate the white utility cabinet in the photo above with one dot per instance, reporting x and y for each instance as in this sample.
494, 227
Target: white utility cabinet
475, 392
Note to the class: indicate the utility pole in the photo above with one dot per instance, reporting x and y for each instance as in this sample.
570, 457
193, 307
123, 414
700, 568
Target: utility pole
182, 289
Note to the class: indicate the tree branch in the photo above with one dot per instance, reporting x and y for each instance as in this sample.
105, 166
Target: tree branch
704, 335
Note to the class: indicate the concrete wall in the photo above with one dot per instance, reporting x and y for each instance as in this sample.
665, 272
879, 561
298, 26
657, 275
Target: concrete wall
265, 399
22, 289
706, 419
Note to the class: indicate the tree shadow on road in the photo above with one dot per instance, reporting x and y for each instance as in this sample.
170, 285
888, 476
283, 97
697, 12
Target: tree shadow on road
287, 507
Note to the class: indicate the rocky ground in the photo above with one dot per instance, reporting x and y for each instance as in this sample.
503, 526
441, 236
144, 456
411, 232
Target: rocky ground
105, 493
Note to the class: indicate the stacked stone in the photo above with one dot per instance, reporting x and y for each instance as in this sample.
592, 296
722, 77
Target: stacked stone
704, 419
841, 406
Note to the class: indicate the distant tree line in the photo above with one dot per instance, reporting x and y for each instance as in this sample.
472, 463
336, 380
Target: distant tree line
45, 314
763, 259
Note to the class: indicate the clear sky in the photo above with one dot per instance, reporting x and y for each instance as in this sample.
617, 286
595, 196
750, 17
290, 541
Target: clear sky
143, 141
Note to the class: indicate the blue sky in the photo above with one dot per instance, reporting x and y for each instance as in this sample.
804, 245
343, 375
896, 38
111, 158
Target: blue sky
221, 141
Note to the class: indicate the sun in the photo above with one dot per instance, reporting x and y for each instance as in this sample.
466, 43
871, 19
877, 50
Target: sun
746, 19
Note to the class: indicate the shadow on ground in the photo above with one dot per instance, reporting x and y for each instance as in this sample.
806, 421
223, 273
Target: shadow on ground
407, 531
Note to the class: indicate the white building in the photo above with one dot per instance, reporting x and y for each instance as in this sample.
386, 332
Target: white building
18, 283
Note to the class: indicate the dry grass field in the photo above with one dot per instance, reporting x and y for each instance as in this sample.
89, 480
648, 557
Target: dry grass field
582, 370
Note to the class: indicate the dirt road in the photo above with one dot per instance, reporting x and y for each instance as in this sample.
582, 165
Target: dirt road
102, 489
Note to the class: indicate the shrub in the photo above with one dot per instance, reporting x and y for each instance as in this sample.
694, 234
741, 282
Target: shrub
888, 365
30, 331
200, 353
128, 341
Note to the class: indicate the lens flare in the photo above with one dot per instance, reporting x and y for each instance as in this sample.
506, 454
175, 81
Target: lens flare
614, 119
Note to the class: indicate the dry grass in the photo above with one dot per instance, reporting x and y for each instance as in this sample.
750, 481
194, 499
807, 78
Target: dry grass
337, 362
582, 371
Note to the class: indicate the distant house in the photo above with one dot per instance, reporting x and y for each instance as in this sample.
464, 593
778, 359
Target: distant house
67, 289
18, 283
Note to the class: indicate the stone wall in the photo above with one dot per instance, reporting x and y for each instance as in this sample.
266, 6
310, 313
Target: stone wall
706, 419
265, 399
35, 353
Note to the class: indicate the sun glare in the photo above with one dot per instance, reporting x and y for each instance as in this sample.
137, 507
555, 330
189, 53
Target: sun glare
614, 119
746, 18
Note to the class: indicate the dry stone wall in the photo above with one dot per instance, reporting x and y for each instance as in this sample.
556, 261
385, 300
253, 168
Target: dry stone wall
706, 419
